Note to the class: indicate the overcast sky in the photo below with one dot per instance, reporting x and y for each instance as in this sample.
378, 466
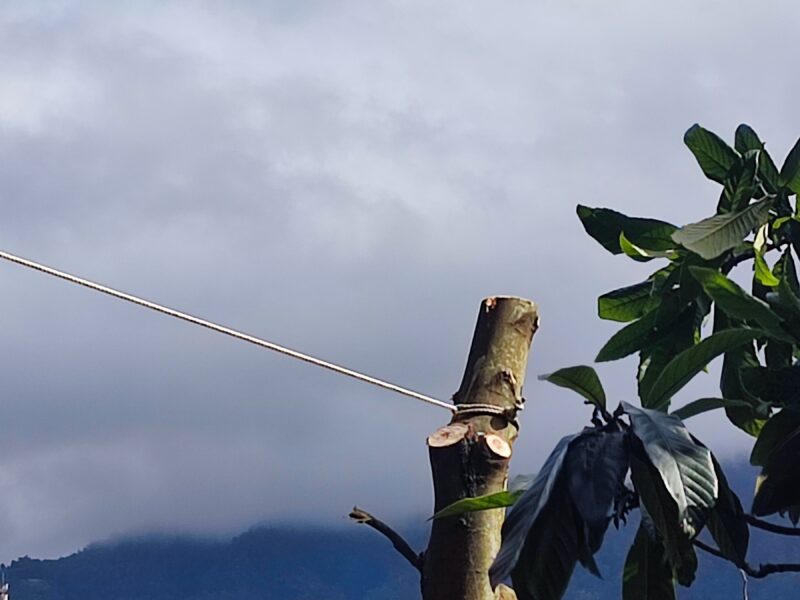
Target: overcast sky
346, 178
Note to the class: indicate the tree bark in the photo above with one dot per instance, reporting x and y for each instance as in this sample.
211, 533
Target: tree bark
470, 456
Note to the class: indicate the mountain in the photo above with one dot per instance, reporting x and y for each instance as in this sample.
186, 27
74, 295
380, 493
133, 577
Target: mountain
352, 563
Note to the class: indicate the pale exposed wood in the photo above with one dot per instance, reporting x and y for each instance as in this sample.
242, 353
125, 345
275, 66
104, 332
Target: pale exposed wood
448, 435
498, 445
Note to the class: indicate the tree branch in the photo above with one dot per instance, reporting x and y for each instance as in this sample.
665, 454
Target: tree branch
767, 526
402, 546
757, 573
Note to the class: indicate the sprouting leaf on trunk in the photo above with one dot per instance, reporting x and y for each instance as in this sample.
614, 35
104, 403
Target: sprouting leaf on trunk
647, 574
581, 379
525, 512
628, 303
605, 226
680, 370
477, 503
778, 485
660, 515
713, 236
738, 304
714, 156
727, 523
685, 467
702, 405
790, 171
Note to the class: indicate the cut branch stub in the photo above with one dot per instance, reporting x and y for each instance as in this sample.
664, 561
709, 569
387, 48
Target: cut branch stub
448, 435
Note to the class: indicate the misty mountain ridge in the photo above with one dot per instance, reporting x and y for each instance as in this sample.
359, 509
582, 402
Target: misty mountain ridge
349, 563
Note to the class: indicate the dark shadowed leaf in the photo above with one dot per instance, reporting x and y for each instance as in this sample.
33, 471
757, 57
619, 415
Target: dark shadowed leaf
779, 387
685, 467
738, 304
660, 514
690, 362
628, 303
749, 419
778, 485
790, 171
745, 185
662, 347
605, 226
713, 236
647, 574
581, 379
485, 502
713, 155
525, 512
706, 404
550, 552
772, 435
727, 523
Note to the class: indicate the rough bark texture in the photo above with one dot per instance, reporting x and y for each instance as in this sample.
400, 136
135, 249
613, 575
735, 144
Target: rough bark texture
461, 549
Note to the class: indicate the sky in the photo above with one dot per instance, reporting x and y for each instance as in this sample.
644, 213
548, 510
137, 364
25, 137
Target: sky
350, 179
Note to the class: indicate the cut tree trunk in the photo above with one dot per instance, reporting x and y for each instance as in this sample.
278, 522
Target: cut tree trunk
470, 456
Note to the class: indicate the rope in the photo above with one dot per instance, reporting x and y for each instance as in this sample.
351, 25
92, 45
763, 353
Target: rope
226, 330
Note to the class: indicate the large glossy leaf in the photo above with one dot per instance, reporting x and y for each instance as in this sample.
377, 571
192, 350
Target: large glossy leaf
780, 387
526, 511
713, 155
738, 304
706, 404
727, 523
487, 501
628, 303
790, 171
772, 435
647, 574
746, 140
713, 236
690, 362
778, 485
606, 225
581, 379
660, 516
550, 552
685, 467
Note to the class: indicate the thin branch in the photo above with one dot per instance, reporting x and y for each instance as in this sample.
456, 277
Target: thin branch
402, 546
757, 573
767, 526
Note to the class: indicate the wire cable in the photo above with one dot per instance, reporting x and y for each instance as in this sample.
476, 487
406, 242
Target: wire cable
226, 330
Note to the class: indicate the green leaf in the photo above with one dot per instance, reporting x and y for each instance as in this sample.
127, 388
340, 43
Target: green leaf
747, 140
581, 379
680, 370
727, 523
647, 574
685, 467
779, 426
660, 516
641, 254
713, 155
661, 349
763, 273
477, 503
606, 225
629, 339
628, 303
748, 419
739, 304
713, 236
790, 171
525, 512
745, 185
778, 485
776, 386
706, 404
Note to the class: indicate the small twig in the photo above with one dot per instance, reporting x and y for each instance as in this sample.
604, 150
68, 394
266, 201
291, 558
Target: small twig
767, 526
757, 573
402, 546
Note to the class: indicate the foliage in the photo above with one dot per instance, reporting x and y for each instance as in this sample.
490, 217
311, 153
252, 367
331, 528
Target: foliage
678, 485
